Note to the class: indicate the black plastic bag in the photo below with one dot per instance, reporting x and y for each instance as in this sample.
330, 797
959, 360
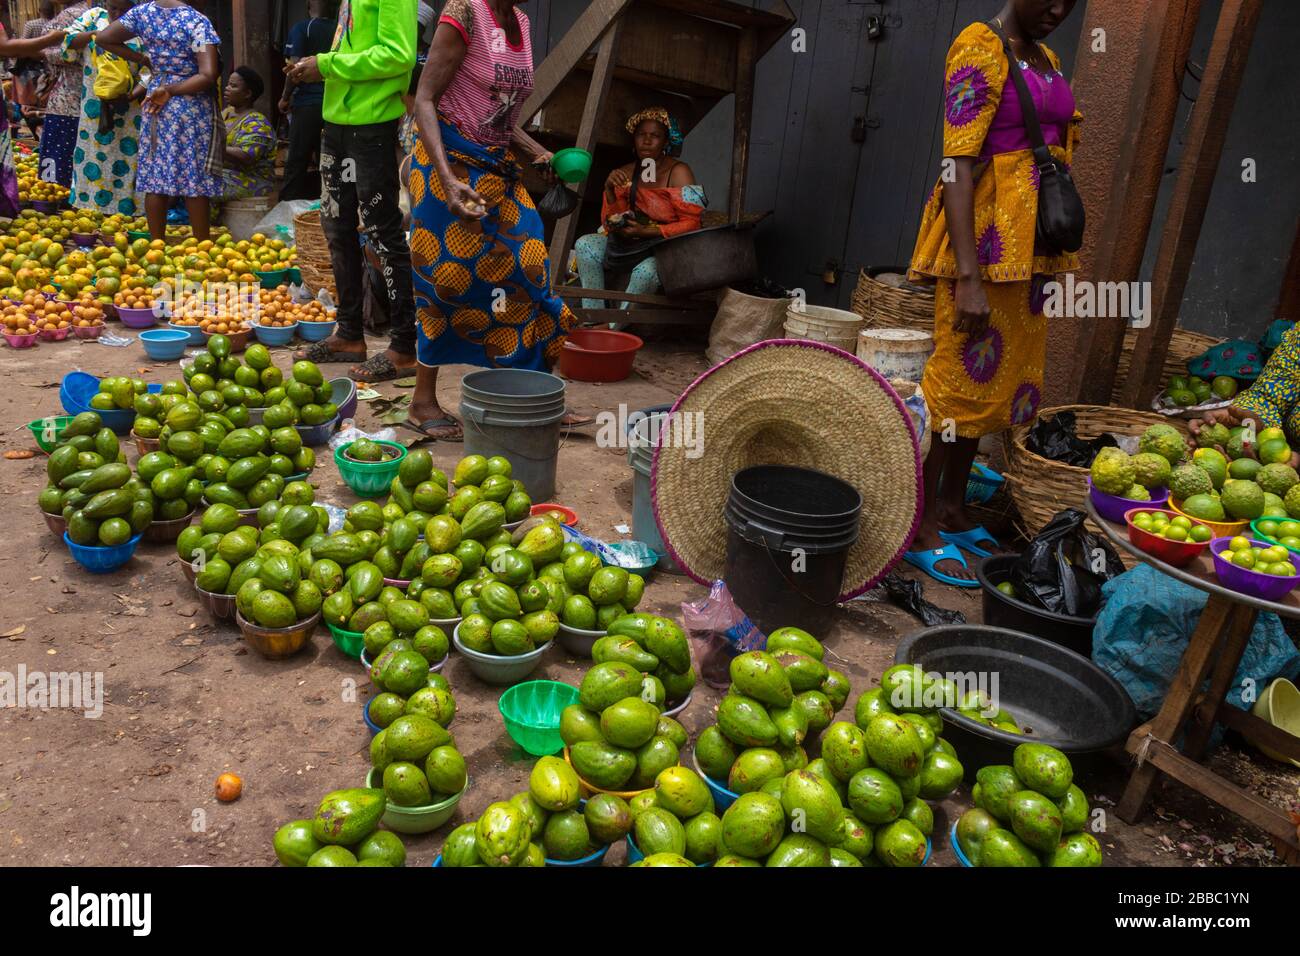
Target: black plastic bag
909, 595
1055, 438
1065, 566
558, 202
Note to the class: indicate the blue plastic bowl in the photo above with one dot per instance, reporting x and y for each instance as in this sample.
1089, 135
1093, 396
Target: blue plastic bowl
634, 854
99, 559
193, 331
165, 345
344, 395
314, 435
272, 335
78, 388
365, 714
315, 331
722, 797
956, 847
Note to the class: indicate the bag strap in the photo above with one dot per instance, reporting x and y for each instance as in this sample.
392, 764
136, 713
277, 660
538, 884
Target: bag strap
1042, 156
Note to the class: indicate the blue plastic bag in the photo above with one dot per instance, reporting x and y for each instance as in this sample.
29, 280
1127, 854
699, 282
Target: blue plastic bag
1143, 630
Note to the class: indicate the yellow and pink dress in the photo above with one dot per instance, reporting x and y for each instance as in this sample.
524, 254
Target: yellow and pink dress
986, 383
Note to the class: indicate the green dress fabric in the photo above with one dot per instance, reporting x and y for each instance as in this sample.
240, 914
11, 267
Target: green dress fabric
104, 164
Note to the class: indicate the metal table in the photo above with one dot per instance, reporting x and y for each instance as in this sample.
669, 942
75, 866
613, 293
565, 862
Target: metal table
1214, 651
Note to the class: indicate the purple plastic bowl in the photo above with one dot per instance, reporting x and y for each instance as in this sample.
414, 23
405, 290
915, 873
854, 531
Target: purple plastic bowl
1112, 507
137, 318
1256, 584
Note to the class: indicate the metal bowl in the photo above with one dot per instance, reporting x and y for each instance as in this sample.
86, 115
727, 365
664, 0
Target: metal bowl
276, 643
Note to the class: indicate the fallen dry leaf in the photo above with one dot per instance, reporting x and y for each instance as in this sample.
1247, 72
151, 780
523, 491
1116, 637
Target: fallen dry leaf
15, 631
21, 455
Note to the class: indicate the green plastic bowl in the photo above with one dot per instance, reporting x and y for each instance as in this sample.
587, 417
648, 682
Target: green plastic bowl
531, 712
349, 642
415, 819
369, 479
43, 428
572, 165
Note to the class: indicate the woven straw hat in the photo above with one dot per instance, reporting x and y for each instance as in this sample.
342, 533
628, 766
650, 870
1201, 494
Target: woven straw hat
791, 402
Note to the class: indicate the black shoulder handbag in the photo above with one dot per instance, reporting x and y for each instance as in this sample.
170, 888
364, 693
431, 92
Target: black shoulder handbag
1060, 210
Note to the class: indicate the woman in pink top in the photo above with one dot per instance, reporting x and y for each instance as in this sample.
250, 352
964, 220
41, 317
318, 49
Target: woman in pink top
482, 278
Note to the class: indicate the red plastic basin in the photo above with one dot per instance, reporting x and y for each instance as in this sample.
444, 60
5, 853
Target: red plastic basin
598, 355
1178, 553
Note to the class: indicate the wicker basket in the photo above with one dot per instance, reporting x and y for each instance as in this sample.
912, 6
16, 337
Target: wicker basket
1040, 487
886, 299
1183, 346
313, 253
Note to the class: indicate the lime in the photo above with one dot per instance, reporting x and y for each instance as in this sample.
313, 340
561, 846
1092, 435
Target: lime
1283, 569
1290, 542
1181, 521
1243, 559
1239, 543
1275, 554
1143, 522
1289, 529
1176, 532
1270, 529
1200, 534
1007, 588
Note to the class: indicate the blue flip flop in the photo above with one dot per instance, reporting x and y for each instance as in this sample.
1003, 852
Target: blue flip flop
968, 540
926, 561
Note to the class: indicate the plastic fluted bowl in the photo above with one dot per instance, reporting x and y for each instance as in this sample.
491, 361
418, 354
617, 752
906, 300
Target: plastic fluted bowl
1178, 553
98, 559
1256, 533
48, 431
588, 789
164, 345
496, 670
1221, 529
956, 847
1256, 584
531, 712
21, 341
78, 388
275, 335
373, 727
415, 819
571, 165
570, 516
315, 331
1113, 507
349, 642
315, 435
1279, 705
369, 479
273, 279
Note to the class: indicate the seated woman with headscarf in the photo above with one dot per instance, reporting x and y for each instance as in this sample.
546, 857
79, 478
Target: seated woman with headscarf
250, 139
653, 198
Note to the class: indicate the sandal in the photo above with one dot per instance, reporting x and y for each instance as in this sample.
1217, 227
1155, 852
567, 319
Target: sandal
425, 427
321, 354
970, 541
926, 561
578, 421
378, 368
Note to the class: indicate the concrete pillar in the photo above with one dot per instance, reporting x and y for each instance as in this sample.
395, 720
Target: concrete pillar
1128, 92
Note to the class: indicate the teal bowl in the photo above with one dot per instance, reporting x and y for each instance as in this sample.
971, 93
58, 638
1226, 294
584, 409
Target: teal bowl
369, 479
415, 819
572, 165
349, 642
531, 712
634, 854
722, 797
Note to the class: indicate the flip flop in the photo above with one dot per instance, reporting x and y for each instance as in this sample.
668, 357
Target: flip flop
969, 540
378, 368
926, 561
581, 421
426, 426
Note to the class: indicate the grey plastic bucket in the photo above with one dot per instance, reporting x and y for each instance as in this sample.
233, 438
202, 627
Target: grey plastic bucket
640, 455
515, 413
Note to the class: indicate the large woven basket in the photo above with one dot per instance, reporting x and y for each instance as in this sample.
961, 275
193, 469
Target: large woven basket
313, 253
1040, 487
1183, 346
886, 299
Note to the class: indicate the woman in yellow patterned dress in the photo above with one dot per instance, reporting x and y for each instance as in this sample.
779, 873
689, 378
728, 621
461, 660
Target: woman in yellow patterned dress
976, 243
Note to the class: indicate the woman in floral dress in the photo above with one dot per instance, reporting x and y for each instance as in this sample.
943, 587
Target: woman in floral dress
103, 163
182, 138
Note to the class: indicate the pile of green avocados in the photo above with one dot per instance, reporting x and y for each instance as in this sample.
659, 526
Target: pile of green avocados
92, 487
343, 832
1028, 814
415, 752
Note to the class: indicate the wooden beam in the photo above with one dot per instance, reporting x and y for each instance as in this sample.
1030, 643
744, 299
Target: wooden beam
742, 120
1257, 731
1288, 302
590, 27
638, 298
645, 316
1120, 176
1196, 171
1241, 623
566, 230
723, 12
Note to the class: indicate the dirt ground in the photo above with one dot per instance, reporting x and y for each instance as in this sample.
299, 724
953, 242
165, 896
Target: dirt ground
185, 699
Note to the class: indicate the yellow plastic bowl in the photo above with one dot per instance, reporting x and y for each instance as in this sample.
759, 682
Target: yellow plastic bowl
590, 789
1221, 529
1279, 705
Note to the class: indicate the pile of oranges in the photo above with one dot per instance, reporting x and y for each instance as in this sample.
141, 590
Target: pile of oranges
87, 312
276, 308
136, 293
17, 319
225, 324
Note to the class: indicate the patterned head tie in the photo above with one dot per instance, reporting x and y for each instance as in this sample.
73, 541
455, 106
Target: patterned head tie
663, 118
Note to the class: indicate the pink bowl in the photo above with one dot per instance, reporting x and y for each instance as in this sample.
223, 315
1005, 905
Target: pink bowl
88, 332
21, 341
1257, 584
1113, 507
54, 335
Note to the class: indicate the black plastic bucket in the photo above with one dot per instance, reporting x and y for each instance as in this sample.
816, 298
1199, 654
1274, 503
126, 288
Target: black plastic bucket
789, 531
1001, 610
1057, 696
